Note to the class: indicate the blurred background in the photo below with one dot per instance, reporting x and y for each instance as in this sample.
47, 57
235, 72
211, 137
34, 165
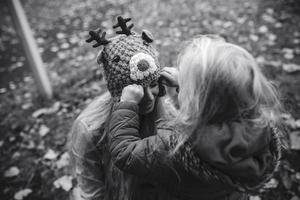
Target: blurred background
34, 130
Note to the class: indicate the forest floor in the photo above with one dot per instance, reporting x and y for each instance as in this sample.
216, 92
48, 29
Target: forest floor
34, 131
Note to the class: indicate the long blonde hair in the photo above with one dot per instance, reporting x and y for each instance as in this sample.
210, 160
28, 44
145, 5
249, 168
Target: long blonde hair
224, 84
97, 112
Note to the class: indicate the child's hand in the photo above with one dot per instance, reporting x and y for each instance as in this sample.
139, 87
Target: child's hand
132, 93
170, 81
170, 76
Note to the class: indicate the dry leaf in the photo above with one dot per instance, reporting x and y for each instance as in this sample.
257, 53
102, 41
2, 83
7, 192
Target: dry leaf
254, 38
254, 198
263, 29
76, 194
286, 180
44, 130
11, 172
47, 111
3, 90
273, 183
26, 106
291, 67
63, 161
54, 49
295, 198
50, 155
65, 45
295, 140
288, 53
64, 182
22, 194
60, 35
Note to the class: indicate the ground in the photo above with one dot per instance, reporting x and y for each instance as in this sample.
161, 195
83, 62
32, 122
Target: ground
34, 131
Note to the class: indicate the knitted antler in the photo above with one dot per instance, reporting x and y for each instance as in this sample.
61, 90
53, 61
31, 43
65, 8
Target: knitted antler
122, 24
95, 35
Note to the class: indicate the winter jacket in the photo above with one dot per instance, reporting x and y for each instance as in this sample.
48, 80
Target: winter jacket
97, 177
226, 161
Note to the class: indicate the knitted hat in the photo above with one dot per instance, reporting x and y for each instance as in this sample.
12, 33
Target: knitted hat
127, 59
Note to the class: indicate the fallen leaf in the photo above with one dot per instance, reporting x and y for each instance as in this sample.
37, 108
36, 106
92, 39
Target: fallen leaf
286, 180
254, 38
295, 140
60, 35
26, 106
291, 67
74, 39
12, 86
11, 172
278, 25
288, 53
16, 155
290, 121
64, 182
3, 90
295, 198
40, 40
76, 194
12, 139
44, 130
296, 41
54, 49
47, 111
65, 45
30, 145
297, 176
263, 29
288, 56
62, 55
50, 155
273, 183
268, 18
272, 37
254, 198
22, 194
63, 161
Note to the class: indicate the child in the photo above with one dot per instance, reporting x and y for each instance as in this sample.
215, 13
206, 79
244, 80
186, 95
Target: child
127, 58
222, 144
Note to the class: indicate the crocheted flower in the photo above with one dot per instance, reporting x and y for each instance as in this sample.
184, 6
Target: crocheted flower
141, 66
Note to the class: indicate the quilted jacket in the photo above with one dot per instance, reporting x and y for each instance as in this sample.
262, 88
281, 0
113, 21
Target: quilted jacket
97, 177
226, 161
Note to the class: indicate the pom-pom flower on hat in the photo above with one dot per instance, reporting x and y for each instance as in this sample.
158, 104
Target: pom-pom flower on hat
141, 66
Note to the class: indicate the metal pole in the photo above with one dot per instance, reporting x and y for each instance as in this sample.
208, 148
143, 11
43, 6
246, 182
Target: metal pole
30, 47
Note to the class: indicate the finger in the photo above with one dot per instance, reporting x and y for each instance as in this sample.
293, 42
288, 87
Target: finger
138, 88
168, 80
170, 70
166, 75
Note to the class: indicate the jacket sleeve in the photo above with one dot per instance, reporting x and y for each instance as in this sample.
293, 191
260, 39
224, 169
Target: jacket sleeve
87, 163
146, 157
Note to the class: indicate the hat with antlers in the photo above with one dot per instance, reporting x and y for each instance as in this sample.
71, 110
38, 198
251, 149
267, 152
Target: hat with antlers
127, 58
